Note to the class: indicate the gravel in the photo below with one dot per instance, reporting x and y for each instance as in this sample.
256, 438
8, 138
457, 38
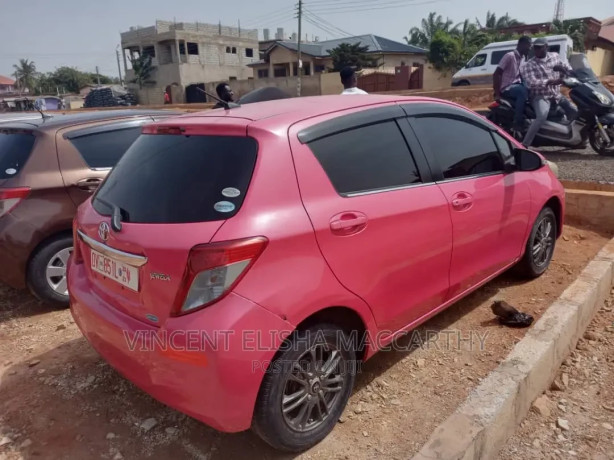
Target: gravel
581, 165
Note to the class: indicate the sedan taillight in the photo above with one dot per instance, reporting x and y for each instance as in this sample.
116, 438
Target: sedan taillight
214, 270
11, 197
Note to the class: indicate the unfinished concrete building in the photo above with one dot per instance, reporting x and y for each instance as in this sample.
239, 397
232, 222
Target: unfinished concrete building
185, 56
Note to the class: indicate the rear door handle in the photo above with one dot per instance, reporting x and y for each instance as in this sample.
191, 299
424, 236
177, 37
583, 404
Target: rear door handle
90, 184
348, 223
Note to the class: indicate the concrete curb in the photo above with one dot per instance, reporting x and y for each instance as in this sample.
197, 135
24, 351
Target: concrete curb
489, 416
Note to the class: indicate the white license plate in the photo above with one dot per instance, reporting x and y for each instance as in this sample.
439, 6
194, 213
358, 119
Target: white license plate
119, 272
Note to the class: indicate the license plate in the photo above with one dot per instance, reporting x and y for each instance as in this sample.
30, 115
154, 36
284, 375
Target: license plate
124, 274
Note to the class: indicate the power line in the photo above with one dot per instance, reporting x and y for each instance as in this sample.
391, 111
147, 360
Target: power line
327, 23
383, 6
322, 28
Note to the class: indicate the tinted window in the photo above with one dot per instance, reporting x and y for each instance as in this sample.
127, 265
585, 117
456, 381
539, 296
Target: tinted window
477, 61
497, 56
367, 158
103, 150
180, 179
460, 148
15, 148
504, 147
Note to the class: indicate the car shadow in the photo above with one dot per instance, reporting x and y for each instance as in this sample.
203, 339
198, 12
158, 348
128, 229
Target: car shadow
16, 303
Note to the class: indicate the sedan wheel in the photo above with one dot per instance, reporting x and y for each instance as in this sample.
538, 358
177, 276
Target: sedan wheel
56, 271
541, 245
47, 271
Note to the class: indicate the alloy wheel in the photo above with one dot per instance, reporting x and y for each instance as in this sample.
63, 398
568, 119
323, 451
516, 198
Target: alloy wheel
55, 271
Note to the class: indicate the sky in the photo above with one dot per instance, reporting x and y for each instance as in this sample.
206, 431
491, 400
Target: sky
85, 33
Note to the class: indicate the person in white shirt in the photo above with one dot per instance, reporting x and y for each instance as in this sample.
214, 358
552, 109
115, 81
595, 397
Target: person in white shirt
350, 82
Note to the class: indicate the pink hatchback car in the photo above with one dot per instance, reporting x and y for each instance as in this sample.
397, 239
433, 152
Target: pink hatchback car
233, 262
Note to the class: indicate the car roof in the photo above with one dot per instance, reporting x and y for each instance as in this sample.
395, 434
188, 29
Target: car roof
290, 111
70, 119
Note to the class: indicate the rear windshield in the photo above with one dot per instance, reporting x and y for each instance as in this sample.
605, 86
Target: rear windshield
179, 179
15, 148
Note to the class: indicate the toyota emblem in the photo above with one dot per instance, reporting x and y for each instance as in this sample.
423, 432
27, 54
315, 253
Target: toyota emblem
103, 231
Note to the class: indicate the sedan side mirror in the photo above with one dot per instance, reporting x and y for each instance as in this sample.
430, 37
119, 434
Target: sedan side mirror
526, 160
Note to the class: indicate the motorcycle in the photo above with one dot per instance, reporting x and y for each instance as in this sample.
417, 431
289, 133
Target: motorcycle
595, 121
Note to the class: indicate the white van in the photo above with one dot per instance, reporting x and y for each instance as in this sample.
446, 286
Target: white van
480, 69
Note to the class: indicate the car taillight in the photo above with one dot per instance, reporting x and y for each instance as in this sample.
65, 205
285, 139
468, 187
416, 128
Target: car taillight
494, 105
77, 256
213, 270
11, 197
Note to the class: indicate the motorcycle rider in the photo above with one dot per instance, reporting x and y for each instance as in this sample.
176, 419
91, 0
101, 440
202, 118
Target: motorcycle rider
542, 75
508, 83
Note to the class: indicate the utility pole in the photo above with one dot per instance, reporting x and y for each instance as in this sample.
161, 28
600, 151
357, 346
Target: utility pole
119, 69
300, 61
559, 10
98, 75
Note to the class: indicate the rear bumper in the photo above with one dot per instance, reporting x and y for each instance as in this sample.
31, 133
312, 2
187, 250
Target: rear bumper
208, 364
14, 251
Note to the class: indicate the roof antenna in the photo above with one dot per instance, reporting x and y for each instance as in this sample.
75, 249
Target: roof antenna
226, 105
43, 114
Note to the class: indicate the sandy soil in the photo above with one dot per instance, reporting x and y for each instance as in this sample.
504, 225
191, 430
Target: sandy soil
58, 399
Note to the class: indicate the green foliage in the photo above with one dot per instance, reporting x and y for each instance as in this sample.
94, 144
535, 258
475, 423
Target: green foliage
143, 68
25, 74
351, 55
68, 80
445, 51
575, 28
422, 36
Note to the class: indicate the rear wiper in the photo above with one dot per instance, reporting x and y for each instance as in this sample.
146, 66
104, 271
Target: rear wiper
116, 215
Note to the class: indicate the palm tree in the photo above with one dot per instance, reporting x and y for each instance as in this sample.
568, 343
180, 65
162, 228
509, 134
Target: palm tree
575, 28
492, 22
469, 34
25, 74
422, 36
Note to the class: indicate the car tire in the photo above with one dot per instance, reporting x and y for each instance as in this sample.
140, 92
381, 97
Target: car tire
294, 377
464, 83
47, 271
540, 245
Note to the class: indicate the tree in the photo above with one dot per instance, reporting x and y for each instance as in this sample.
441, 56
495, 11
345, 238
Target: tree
25, 74
575, 28
494, 23
143, 69
423, 35
352, 55
470, 35
70, 79
446, 52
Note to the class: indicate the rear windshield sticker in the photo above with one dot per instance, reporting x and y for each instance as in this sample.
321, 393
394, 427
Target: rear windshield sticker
231, 192
224, 206
11, 171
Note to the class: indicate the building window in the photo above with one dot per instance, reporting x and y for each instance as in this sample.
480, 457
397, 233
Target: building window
228, 49
181, 48
234, 50
249, 52
307, 69
193, 48
263, 73
319, 68
232, 78
149, 51
281, 72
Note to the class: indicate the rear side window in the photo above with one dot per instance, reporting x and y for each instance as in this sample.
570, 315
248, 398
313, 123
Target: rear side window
368, 158
15, 148
461, 148
496, 56
180, 179
103, 150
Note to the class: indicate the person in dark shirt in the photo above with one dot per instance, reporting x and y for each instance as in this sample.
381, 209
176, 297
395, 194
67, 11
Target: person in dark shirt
224, 92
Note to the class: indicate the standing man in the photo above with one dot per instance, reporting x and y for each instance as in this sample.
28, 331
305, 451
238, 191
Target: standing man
350, 81
224, 92
508, 83
542, 76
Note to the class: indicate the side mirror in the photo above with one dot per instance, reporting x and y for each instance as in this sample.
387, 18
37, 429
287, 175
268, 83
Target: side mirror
526, 160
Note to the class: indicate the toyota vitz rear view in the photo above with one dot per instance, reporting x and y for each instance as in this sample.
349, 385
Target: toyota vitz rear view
237, 264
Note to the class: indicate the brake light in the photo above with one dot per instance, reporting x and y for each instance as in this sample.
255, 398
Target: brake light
494, 105
11, 197
213, 270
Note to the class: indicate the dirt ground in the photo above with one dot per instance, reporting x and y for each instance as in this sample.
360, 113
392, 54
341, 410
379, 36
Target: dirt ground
575, 419
58, 399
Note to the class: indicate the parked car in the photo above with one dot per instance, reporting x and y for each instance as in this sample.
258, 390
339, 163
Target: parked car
239, 293
481, 67
47, 168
